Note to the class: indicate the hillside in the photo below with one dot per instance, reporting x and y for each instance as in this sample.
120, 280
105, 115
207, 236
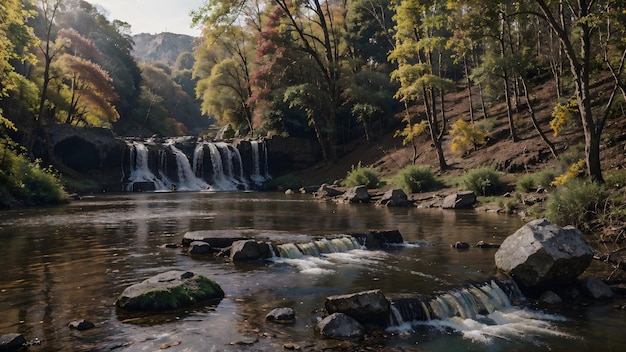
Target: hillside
528, 155
163, 47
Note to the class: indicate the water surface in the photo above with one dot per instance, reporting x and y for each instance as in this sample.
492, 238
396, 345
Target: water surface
70, 262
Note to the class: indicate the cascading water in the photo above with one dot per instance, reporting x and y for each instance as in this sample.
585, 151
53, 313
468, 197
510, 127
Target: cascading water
478, 312
188, 165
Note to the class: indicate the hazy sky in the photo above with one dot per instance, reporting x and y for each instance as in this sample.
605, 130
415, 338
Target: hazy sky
153, 16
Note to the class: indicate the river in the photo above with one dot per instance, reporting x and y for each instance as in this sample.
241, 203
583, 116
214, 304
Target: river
70, 262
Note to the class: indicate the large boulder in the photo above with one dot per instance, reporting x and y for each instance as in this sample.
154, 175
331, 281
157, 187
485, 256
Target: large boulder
170, 290
541, 254
461, 200
394, 198
248, 250
370, 308
358, 194
340, 326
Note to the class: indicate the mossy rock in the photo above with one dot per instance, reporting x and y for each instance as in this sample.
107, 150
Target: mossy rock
170, 290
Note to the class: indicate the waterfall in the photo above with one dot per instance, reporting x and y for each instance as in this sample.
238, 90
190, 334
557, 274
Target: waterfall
480, 312
260, 172
186, 176
188, 164
318, 248
140, 173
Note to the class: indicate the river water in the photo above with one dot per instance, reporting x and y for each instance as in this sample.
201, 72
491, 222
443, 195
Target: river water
60, 264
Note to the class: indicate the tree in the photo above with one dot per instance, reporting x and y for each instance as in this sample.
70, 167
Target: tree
86, 86
590, 19
15, 37
418, 52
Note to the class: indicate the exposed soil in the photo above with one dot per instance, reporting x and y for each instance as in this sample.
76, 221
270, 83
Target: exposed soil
529, 154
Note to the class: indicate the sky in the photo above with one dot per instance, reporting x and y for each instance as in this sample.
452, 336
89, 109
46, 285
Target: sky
153, 16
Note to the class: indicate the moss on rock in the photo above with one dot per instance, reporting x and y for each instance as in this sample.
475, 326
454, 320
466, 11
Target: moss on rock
169, 290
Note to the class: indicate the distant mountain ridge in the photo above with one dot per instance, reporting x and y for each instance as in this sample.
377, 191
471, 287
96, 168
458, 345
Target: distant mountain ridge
163, 47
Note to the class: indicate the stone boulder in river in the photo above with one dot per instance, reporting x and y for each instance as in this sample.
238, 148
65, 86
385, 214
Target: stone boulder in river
461, 200
394, 198
541, 255
358, 194
340, 326
215, 238
370, 308
169, 290
248, 250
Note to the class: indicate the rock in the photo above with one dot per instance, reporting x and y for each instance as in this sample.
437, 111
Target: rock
358, 194
379, 239
326, 191
370, 308
541, 253
483, 244
11, 342
340, 326
308, 189
595, 288
215, 238
461, 200
394, 198
282, 315
550, 297
292, 346
461, 245
199, 248
170, 290
81, 325
289, 192
248, 250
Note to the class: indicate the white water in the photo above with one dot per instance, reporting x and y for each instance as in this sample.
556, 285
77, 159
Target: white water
226, 172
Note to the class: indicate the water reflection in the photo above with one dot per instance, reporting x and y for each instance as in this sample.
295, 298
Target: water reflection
69, 262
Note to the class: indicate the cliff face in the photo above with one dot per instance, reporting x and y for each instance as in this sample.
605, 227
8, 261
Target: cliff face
162, 47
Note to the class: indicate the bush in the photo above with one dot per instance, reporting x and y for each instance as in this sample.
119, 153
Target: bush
575, 203
532, 182
416, 178
359, 175
484, 181
25, 183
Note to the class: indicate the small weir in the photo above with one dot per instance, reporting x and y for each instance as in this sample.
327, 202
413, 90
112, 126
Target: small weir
318, 247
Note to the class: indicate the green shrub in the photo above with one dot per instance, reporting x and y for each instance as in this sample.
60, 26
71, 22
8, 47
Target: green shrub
484, 181
416, 178
360, 175
575, 203
26, 183
532, 182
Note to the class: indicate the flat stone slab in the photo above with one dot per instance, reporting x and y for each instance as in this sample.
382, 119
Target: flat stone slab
216, 238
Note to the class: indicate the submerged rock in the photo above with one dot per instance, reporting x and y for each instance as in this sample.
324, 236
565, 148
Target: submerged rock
340, 326
282, 315
542, 254
170, 290
81, 325
199, 248
595, 288
370, 308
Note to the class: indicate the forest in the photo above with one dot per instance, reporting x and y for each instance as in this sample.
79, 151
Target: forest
334, 71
